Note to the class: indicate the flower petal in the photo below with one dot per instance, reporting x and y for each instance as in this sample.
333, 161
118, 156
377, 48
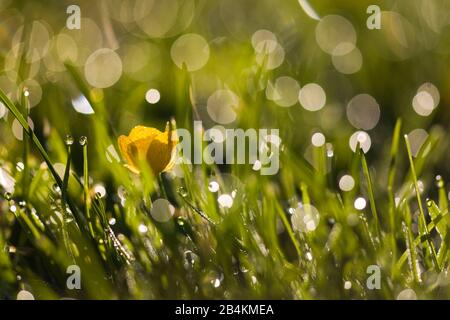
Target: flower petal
124, 144
151, 145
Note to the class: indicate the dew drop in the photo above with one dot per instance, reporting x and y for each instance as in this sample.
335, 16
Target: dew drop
182, 192
213, 186
68, 140
190, 257
83, 141
346, 183
100, 190
180, 221
225, 201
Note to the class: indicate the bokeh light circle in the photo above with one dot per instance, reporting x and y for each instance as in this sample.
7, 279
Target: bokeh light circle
103, 68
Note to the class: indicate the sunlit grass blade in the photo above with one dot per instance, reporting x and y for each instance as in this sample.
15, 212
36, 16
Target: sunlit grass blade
391, 180
309, 10
442, 225
23, 122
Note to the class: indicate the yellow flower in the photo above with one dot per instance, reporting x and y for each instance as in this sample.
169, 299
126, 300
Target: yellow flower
149, 145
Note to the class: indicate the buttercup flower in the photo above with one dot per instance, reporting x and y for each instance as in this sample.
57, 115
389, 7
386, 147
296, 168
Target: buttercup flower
150, 145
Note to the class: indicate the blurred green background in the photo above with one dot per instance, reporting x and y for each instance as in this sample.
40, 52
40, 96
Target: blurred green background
304, 67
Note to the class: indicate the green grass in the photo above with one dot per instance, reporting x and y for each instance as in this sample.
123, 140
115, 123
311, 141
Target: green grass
56, 218
247, 251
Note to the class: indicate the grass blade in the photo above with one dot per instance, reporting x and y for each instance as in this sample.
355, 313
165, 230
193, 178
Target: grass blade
373, 207
419, 202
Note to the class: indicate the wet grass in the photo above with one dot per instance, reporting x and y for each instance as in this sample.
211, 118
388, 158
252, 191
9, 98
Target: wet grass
67, 199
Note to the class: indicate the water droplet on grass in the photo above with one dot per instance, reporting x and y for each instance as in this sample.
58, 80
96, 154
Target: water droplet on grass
100, 190
305, 218
347, 285
407, 294
213, 186
152, 96
162, 210
360, 203
346, 183
143, 228
225, 201
68, 140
